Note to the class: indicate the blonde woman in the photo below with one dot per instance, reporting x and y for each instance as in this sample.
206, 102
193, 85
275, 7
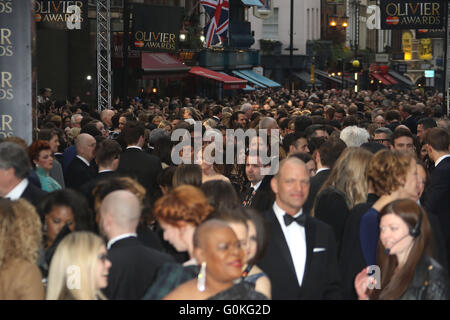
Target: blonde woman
79, 268
20, 238
345, 187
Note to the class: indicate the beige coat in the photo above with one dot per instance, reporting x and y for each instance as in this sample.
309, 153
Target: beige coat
21, 280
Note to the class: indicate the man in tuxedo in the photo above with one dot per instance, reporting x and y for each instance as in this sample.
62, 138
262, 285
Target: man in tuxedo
325, 157
135, 163
301, 257
300, 144
107, 156
438, 194
423, 126
80, 170
14, 169
258, 195
134, 265
402, 139
217, 114
408, 119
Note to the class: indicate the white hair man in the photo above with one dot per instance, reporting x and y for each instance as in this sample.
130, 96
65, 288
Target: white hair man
354, 136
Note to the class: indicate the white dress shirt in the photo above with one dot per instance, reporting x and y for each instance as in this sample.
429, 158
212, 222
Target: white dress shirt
322, 169
440, 159
122, 236
134, 147
296, 241
256, 186
84, 160
16, 193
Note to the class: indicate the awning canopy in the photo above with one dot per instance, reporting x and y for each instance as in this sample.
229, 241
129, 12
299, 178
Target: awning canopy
401, 78
161, 62
252, 3
259, 78
325, 75
391, 79
248, 88
380, 78
243, 76
228, 81
306, 77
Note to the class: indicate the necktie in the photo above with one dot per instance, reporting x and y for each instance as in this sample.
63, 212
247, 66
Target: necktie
288, 219
248, 198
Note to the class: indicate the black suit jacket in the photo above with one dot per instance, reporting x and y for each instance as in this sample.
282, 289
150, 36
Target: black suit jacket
33, 194
321, 277
438, 195
411, 123
141, 166
264, 196
331, 208
89, 186
78, 173
133, 269
315, 184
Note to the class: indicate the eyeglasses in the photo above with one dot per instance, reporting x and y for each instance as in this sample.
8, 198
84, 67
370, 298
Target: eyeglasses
103, 257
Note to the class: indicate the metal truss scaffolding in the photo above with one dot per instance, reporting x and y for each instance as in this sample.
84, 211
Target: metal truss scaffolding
103, 54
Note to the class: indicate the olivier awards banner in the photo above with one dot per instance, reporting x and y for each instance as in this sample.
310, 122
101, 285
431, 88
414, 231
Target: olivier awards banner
61, 14
156, 28
410, 14
15, 69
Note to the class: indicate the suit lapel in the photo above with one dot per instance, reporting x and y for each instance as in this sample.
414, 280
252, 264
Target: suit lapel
280, 241
310, 234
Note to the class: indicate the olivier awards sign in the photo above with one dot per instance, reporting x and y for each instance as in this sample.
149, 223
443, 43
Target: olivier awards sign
16, 69
156, 28
61, 14
410, 14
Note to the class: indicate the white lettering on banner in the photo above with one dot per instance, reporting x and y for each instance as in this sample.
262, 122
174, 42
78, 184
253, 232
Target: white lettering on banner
5, 7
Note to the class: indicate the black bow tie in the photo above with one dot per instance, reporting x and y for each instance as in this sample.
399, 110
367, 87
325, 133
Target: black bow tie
288, 219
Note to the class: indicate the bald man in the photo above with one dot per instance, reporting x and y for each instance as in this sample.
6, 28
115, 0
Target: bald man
134, 265
80, 170
301, 257
106, 116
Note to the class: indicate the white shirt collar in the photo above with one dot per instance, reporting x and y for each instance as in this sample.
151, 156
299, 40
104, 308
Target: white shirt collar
134, 147
122, 236
256, 186
440, 159
84, 160
322, 169
16, 193
280, 212
106, 170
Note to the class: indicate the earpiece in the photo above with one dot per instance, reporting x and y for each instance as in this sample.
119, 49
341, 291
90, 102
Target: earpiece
415, 231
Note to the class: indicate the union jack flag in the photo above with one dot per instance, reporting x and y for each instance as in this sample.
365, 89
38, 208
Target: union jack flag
218, 12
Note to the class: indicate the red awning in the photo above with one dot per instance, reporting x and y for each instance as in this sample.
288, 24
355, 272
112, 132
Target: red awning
228, 81
391, 79
161, 62
380, 78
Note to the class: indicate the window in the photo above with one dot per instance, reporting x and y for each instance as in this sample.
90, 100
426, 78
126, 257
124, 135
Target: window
270, 26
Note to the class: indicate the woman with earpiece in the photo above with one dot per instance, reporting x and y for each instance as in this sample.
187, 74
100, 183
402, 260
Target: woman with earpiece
407, 272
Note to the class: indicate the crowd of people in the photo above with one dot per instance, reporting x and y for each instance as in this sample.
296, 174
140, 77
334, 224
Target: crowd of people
97, 207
